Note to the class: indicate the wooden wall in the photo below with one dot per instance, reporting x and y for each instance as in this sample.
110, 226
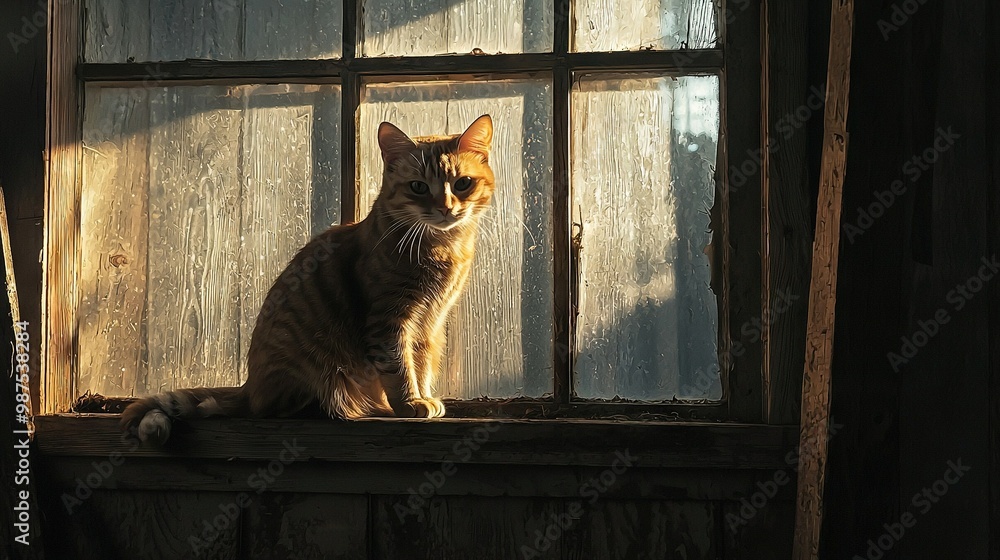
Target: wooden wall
900, 427
22, 138
916, 76
393, 490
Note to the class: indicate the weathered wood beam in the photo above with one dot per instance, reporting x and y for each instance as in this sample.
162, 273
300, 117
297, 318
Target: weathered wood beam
15, 306
255, 71
540, 442
62, 208
815, 418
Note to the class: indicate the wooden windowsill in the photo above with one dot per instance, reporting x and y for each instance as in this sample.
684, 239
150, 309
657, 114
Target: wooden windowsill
574, 442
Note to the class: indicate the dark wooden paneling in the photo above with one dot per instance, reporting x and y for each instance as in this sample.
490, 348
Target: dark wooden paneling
460, 528
792, 103
947, 243
380, 478
22, 146
283, 526
766, 535
862, 484
22, 140
642, 530
741, 241
139, 524
564, 442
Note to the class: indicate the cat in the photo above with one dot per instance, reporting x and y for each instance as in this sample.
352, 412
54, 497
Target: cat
356, 322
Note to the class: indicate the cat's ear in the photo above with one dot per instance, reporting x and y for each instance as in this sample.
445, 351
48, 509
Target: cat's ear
393, 142
478, 137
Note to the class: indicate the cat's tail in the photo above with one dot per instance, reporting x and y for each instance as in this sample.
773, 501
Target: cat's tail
150, 418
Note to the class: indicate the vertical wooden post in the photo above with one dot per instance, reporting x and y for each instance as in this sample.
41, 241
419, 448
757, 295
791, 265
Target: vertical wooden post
814, 431
15, 306
62, 209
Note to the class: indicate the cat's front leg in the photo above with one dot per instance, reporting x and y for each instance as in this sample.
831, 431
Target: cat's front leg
427, 353
387, 352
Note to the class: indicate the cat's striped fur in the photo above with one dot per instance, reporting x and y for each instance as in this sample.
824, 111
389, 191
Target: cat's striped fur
356, 321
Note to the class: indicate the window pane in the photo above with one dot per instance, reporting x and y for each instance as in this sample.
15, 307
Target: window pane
629, 25
194, 200
429, 27
644, 152
500, 335
154, 30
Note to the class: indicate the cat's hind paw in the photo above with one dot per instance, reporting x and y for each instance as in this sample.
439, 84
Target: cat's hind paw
420, 408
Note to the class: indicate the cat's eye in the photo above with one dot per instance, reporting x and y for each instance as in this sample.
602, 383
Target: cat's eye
462, 184
419, 187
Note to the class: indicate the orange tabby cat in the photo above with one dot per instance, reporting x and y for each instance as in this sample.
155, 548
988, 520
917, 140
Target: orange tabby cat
356, 321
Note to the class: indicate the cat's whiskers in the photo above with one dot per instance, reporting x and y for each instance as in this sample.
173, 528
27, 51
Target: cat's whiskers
414, 241
420, 241
393, 226
407, 237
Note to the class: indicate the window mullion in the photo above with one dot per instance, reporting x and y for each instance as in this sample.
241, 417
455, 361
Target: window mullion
350, 96
564, 307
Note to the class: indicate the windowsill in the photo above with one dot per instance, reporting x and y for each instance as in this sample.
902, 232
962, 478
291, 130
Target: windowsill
574, 442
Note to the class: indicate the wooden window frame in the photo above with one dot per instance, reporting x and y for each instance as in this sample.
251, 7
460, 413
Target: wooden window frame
758, 382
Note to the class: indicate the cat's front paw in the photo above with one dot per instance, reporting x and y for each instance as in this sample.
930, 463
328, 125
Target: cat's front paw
420, 408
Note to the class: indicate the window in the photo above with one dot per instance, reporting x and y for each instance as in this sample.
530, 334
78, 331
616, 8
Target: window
207, 140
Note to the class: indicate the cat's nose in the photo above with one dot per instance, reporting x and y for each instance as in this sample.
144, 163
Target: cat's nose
445, 212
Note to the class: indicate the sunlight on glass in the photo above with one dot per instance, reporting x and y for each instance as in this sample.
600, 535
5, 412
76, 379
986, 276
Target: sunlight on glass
629, 25
500, 335
194, 199
156, 30
644, 153
429, 27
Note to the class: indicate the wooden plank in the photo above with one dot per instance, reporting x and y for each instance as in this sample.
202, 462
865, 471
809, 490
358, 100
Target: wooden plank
194, 216
276, 221
534, 409
622, 530
10, 281
738, 243
815, 422
113, 236
444, 528
329, 477
144, 524
695, 62
62, 209
866, 396
787, 200
280, 525
563, 442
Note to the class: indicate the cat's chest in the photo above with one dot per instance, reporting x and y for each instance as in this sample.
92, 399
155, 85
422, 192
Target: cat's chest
433, 276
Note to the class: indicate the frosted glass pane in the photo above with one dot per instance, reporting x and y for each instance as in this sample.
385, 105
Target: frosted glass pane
155, 30
429, 27
194, 199
644, 153
500, 335
628, 25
